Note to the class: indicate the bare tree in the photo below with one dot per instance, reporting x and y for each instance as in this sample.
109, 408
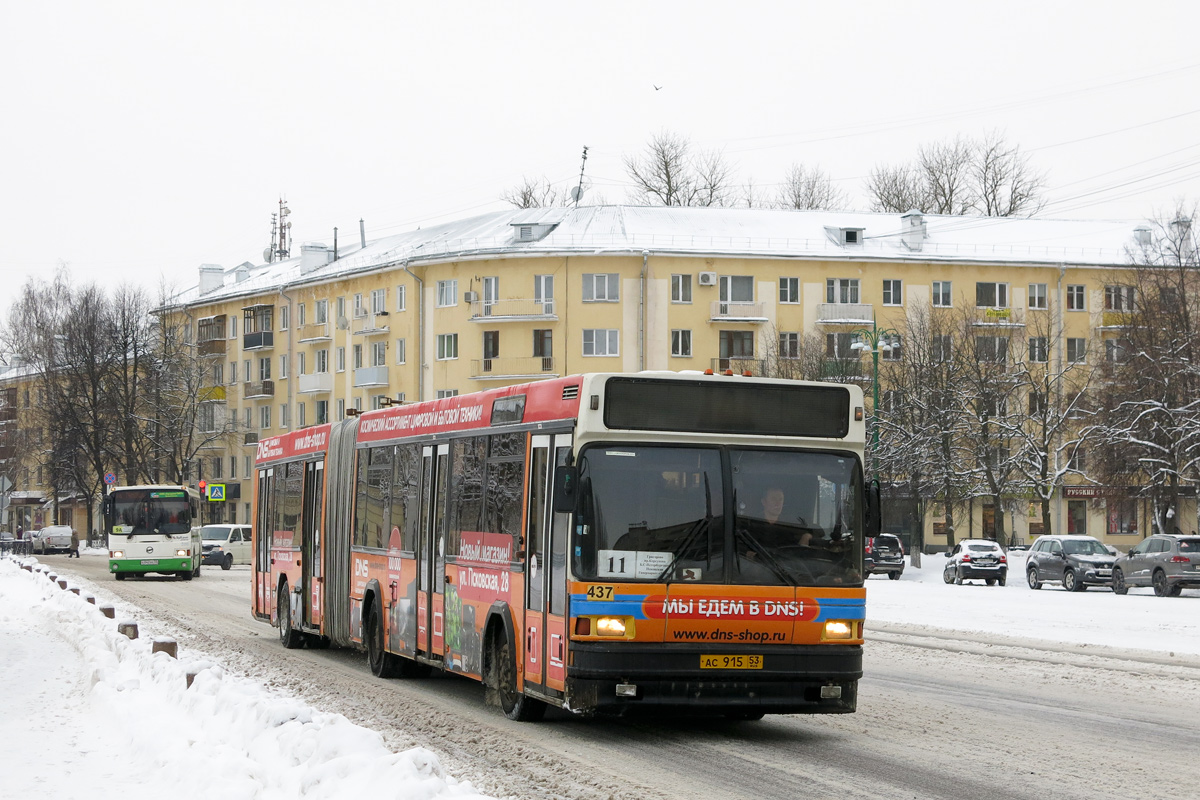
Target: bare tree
669, 173
809, 189
988, 176
533, 193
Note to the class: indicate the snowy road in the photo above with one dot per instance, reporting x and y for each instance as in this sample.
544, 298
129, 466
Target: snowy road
939, 716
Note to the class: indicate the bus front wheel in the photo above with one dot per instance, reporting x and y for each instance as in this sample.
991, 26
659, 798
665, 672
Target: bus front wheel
383, 664
503, 683
288, 637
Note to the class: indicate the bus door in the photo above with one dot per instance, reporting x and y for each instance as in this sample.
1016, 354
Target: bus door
264, 523
545, 569
431, 551
310, 541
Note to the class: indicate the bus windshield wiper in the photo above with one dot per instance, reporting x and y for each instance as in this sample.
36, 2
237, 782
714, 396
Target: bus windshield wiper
771, 562
704, 523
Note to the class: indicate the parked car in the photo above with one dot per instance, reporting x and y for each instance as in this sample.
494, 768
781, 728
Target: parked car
52, 539
226, 545
884, 553
1076, 562
973, 559
1167, 562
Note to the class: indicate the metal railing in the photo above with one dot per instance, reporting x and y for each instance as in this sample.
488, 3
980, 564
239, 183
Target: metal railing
507, 367
512, 309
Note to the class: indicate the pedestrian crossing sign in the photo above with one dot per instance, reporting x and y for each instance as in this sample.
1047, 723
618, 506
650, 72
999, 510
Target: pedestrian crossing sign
215, 492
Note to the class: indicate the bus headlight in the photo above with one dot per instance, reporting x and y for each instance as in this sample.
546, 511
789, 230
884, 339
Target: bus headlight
838, 629
610, 626
117, 554
181, 553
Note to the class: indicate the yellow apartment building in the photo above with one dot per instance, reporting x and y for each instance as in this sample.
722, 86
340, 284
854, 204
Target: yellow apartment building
524, 295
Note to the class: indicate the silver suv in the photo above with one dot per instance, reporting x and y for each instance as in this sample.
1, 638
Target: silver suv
1076, 562
976, 559
1167, 562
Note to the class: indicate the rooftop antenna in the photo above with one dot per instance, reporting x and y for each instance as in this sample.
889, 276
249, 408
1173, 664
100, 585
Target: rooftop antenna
281, 233
577, 191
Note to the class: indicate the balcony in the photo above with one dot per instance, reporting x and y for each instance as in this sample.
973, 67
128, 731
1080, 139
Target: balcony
212, 394
739, 365
731, 311
318, 383
212, 347
259, 389
1116, 319
316, 332
512, 310
263, 340
492, 369
372, 324
999, 318
845, 313
370, 376
842, 369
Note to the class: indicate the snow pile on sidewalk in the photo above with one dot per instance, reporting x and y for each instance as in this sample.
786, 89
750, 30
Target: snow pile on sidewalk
89, 712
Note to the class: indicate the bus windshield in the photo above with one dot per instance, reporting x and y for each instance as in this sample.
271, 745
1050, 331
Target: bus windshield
719, 515
151, 511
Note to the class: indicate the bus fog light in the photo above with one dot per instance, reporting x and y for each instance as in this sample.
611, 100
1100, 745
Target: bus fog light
839, 629
831, 692
610, 626
626, 690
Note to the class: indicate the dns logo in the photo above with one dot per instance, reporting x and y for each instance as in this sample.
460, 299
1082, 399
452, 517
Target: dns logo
360, 568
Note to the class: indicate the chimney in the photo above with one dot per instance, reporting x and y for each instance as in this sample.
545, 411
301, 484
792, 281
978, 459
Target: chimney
313, 255
242, 272
362, 233
1143, 236
212, 276
912, 229
1181, 232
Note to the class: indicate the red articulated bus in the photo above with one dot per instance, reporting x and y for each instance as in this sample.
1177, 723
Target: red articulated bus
604, 543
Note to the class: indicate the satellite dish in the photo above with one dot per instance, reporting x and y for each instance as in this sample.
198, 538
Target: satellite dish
268, 254
576, 193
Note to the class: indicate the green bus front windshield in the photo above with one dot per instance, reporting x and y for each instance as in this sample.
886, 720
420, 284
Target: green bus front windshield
162, 511
719, 515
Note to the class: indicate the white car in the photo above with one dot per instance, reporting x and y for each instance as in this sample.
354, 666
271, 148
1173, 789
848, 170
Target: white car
53, 538
226, 545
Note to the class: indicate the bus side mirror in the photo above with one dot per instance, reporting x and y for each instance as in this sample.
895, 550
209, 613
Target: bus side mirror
874, 509
566, 479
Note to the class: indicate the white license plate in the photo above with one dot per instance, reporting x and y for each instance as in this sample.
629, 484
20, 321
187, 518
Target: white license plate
149, 562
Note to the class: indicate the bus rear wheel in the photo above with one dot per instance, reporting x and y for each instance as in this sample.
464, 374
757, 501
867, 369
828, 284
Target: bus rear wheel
383, 664
515, 705
288, 637
186, 575
119, 575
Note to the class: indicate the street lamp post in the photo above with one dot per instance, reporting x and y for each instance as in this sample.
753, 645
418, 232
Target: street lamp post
874, 340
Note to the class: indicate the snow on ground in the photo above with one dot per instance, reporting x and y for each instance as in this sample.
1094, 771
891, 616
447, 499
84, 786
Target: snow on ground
1137, 621
105, 719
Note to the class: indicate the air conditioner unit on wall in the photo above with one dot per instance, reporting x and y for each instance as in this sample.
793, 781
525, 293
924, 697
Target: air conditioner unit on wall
471, 297
708, 279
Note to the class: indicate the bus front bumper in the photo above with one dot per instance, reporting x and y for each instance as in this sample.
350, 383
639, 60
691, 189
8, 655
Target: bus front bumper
149, 564
794, 679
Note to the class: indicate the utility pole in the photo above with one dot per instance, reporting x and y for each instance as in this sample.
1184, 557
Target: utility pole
578, 191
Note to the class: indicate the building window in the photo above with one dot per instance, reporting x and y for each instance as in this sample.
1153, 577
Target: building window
940, 348
378, 354
283, 415
358, 356
1076, 351
895, 351
322, 361
283, 366
736, 289
1118, 298
1122, 516
681, 343
401, 356
891, 293
601, 287
359, 309
206, 418
1077, 459
600, 342
321, 315
378, 301
300, 320
991, 295
789, 290
377, 400
232, 373
443, 393
837, 345
358, 404
264, 416
302, 363
233, 467
322, 412
340, 356
401, 298
543, 292
1038, 297
1037, 403
1038, 351
991, 348
1116, 351
302, 415
246, 371
841, 290
681, 288
789, 345
941, 294
218, 374
1075, 298
341, 409
543, 348
491, 347
341, 309
447, 293
447, 346
264, 369
283, 318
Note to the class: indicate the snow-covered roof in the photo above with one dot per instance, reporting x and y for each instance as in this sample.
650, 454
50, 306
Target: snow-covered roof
725, 232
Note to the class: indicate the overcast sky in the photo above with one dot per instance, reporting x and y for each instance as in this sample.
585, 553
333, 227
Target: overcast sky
142, 139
